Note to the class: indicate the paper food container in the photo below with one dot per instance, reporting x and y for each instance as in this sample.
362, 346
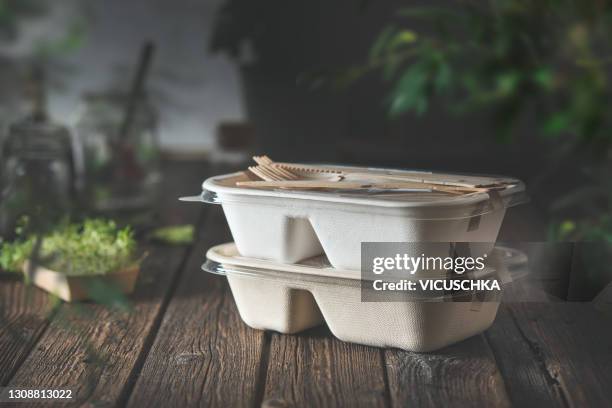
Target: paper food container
78, 288
290, 225
292, 298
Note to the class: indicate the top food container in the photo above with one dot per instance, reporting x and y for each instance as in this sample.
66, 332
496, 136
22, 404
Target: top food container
287, 225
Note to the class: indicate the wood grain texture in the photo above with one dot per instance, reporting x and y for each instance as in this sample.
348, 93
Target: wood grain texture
93, 348
467, 373
24, 312
572, 344
315, 369
462, 375
184, 344
525, 374
90, 347
204, 355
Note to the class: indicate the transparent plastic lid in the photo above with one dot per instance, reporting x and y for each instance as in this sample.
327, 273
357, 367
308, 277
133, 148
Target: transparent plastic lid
429, 196
506, 264
512, 266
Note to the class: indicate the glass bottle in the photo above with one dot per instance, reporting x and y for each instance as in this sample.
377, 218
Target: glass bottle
38, 169
121, 171
38, 174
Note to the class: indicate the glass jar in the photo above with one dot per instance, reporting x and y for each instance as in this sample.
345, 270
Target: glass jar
38, 174
122, 172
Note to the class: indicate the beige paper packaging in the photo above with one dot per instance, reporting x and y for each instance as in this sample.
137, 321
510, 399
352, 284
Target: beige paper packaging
289, 226
291, 298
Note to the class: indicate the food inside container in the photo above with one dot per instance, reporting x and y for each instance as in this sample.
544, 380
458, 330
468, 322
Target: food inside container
333, 209
292, 298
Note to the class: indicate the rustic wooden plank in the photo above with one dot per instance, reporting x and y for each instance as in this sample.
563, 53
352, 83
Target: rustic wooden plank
527, 380
24, 312
461, 375
315, 369
570, 342
93, 349
464, 374
203, 354
303, 370
530, 371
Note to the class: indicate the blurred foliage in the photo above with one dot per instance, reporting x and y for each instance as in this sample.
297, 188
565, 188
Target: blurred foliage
13, 12
505, 57
550, 60
593, 203
597, 229
93, 247
73, 39
174, 235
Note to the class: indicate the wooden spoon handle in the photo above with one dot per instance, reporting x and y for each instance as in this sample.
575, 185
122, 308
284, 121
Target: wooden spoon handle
416, 177
343, 185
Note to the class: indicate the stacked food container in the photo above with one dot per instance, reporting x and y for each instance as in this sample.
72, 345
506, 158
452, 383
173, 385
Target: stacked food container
298, 231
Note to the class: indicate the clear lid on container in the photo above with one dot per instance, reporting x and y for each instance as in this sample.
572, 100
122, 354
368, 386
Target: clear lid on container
223, 260
429, 195
505, 264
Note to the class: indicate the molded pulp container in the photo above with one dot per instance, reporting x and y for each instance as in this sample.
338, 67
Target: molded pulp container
292, 298
290, 225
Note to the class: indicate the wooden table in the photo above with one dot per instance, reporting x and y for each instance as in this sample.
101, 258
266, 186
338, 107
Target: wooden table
183, 344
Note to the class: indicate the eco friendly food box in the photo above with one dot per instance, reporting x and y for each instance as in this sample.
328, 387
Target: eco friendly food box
291, 298
287, 225
287, 220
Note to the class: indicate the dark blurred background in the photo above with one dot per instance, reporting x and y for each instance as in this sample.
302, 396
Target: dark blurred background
197, 89
506, 87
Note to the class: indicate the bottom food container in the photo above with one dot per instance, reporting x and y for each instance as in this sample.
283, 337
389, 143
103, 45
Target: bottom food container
291, 298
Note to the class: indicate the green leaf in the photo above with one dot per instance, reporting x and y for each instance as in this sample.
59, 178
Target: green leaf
390, 67
544, 77
566, 228
443, 78
174, 235
382, 41
410, 92
507, 83
403, 37
556, 123
94, 247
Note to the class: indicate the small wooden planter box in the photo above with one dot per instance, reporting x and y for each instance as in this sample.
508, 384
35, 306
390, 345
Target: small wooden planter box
77, 288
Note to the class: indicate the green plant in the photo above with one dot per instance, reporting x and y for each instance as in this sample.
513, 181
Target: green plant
93, 247
174, 235
584, 213
506, 57
546, 60
14, 12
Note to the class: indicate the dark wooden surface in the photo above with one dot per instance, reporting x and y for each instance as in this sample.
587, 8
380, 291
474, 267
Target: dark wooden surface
182, 343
